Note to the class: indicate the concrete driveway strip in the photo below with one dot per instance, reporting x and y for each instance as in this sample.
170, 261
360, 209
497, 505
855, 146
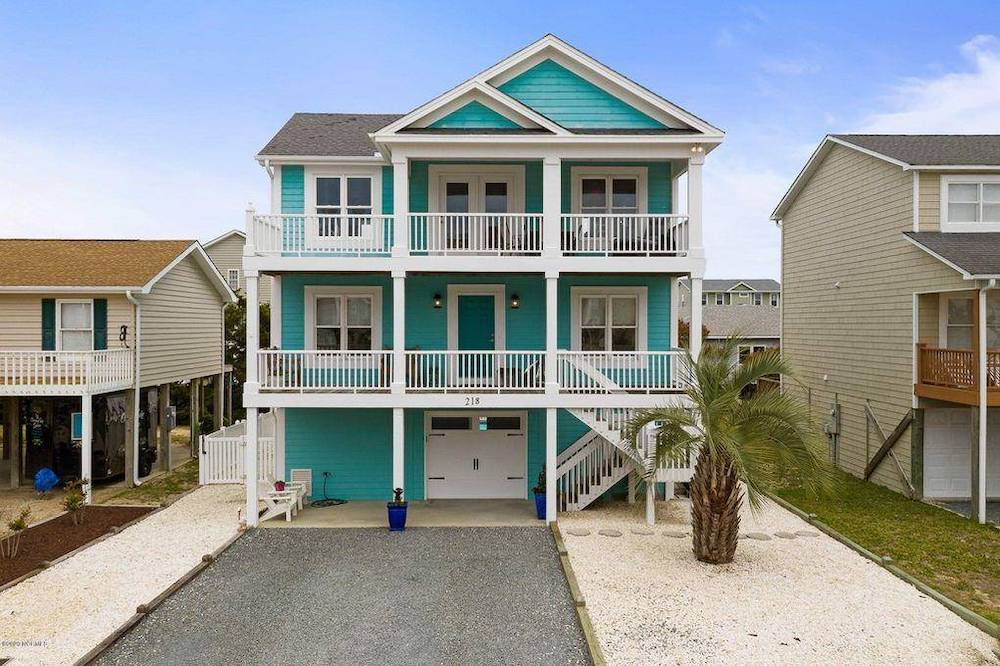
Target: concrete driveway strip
367, 596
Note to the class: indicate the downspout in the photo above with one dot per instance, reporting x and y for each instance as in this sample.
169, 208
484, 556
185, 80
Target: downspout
135, 400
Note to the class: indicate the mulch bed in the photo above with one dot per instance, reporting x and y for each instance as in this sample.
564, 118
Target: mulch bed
56, 537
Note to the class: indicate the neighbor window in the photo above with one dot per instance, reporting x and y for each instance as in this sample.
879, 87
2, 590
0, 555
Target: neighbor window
704, 298
233, 278
746, 351
719, 298
774, 299
970, 203
959, 328
75, 325
609, 323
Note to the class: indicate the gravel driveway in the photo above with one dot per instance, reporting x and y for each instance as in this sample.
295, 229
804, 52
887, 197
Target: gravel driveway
367, 596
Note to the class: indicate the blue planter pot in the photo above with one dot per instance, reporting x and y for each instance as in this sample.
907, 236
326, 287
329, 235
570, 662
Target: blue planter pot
540, 505
397, 517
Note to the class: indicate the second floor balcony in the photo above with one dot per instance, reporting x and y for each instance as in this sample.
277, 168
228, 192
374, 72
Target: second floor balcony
30, 372
468, 234
454, 371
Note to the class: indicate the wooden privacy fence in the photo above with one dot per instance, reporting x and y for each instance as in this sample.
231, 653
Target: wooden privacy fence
221, 455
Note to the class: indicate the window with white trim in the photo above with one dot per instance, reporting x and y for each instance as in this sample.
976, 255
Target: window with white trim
720, 298
233, 279
609, 195
343, 319
609, 323
332, 193
970, 203
745, 351
774, 299
75, 325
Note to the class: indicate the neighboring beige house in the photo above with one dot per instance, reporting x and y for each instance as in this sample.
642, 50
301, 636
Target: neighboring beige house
227, 253
891, 320
92, 335
748, 308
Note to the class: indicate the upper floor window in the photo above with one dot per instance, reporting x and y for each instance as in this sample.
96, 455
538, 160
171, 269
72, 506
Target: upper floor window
774, 299
970, 203
332, 193
704, 298
608, 190
343, 318
75, 325
233, 278
609, 319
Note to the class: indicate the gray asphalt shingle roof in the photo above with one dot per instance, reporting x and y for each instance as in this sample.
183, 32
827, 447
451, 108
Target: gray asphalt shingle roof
748, 321
976, 253
762, 285
932, 149
339, 134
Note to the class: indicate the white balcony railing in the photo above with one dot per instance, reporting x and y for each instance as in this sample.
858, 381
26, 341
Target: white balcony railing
619, 372
333, 371
500, 371
476, 233
347, 235
65, 372
635, 235
444, 371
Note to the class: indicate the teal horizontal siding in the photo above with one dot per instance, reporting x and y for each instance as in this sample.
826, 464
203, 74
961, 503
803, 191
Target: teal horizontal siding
658, 183
474, 115
293, 200
572, 101
387, 185
293, 302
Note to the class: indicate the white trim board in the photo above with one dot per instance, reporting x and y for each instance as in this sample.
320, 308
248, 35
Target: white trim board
438, 174
498, 292
641, 315
578, 173
970, 179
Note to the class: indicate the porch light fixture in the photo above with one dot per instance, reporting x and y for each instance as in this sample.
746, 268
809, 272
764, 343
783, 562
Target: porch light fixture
515, 301
437, 301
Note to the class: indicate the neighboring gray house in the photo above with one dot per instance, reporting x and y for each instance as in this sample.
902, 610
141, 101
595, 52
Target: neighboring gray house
891, 314
748, 308
226, 252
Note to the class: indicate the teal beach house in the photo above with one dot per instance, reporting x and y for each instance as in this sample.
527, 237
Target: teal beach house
476, 291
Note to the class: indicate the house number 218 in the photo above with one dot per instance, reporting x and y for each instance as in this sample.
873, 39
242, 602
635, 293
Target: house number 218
471, 400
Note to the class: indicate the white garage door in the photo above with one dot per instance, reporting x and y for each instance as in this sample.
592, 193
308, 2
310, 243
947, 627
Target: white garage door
476, 455
947, 454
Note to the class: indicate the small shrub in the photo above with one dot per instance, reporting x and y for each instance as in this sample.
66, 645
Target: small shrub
10, 543
75, 500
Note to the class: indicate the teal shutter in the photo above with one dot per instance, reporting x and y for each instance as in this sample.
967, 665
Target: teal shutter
100, 323
48, 324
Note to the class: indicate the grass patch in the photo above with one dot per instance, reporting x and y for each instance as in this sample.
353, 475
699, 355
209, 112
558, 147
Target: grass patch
954, 555
161, 488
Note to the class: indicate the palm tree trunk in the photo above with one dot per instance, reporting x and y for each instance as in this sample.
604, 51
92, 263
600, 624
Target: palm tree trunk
716, 497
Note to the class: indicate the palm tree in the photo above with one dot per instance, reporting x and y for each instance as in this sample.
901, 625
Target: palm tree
747, 441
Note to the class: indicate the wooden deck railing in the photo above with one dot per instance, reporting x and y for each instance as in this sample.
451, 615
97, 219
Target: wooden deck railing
953, 374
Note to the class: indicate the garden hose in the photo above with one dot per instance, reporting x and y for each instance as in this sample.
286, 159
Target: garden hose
327, 501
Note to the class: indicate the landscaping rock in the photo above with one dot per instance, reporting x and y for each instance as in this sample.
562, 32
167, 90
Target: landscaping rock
576, 531
674, 534
758, 536
807, 533
610, 533
785, 535
642, 531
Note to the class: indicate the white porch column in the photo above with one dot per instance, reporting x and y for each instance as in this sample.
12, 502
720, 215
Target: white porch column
398, 331
276, 311
279, 444
86, 446
400, 207
979, 510
253, 329
695, 242
695, 329
550, 465
551, 207
675, 313
250, 467
398, 431
551, 331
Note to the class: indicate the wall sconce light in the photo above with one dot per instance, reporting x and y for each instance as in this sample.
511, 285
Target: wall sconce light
515, 301
437, 301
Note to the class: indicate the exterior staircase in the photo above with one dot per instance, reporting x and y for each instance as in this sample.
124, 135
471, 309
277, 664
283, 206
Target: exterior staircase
601, 458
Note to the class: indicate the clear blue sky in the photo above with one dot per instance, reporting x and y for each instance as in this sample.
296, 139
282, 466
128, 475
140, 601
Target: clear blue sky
142, 119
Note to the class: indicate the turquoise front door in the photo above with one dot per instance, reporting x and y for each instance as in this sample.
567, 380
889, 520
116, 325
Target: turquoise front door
476, 322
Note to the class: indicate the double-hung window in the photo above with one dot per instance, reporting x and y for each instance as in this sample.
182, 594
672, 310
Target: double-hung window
233, 278
970, 203
344, 205
719, 298
609, 195
343, 319
609, 321
75, 325
774, 299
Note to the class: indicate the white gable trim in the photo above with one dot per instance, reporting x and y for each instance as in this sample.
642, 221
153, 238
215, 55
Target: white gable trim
738, 285
597, 73
224, 236
476, 95
206, 264
509, 103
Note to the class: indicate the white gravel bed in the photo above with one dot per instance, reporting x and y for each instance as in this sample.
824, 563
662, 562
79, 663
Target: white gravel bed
808, 599
58, 615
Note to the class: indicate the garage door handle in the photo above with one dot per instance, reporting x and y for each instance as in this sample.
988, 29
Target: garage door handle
514, 478
515, 434
435, 478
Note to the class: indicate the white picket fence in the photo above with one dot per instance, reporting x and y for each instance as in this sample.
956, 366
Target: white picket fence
221, 453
